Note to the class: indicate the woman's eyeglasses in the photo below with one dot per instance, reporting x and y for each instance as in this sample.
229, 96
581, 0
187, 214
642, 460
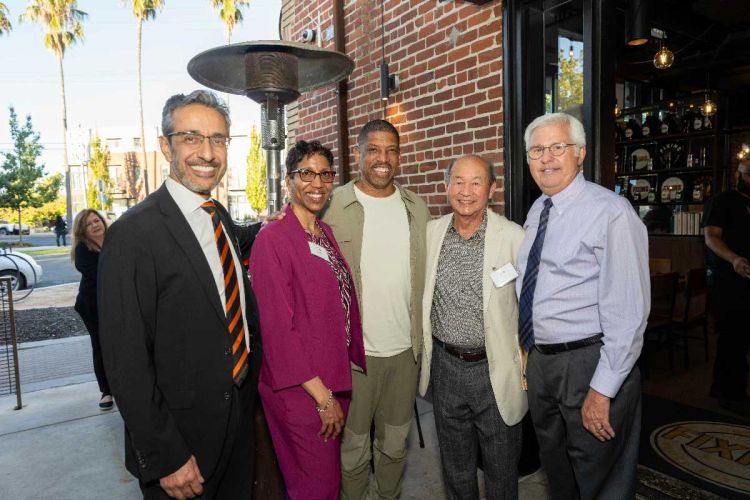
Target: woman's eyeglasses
307, 175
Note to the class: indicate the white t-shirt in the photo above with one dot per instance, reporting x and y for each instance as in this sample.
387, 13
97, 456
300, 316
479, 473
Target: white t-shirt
386, 275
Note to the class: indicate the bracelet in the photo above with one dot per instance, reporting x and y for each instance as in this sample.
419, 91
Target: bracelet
328, 403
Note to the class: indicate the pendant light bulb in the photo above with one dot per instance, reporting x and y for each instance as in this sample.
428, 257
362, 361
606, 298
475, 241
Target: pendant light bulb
664, 58
708, 108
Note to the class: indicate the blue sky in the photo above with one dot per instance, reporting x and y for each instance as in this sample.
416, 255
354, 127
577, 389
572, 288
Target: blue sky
100, 73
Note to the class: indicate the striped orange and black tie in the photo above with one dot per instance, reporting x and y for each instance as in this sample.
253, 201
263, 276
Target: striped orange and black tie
233, 307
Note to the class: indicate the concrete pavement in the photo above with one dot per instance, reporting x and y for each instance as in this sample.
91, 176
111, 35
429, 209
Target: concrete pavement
61, 446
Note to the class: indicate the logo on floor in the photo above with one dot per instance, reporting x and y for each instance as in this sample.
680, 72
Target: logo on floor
713, 451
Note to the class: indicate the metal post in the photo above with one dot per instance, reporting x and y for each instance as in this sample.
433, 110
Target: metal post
272, 140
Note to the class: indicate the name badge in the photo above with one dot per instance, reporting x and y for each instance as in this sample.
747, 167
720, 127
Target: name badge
504, 275
318, 251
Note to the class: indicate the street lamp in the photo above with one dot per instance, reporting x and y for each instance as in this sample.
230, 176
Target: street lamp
273, 74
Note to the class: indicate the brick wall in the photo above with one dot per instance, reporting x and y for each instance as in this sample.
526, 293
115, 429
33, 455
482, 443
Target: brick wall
448, 56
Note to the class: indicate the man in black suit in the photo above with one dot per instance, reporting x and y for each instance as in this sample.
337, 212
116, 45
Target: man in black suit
180, 332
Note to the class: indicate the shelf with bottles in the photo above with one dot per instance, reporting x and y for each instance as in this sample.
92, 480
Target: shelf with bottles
668, 120
666, 155
665, 188
672, 220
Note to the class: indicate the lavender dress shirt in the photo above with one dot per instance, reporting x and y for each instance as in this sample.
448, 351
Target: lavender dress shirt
593, 276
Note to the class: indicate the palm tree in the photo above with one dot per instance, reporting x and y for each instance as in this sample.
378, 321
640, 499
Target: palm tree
230, 13
63, 25
5, 25
143, 10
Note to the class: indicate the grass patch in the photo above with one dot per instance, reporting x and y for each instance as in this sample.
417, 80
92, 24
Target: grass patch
46, 251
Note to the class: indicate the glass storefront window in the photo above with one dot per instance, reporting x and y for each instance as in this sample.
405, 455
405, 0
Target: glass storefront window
563, 54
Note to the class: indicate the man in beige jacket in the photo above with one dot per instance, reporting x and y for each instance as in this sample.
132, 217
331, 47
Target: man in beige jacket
471, 358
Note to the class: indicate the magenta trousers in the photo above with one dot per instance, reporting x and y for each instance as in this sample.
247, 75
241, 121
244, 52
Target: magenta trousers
311, 467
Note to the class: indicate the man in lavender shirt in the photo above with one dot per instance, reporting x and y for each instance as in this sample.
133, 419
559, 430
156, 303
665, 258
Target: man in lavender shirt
584, 299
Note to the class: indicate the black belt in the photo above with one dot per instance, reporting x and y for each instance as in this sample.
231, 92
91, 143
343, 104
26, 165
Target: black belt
462, 355
568, 346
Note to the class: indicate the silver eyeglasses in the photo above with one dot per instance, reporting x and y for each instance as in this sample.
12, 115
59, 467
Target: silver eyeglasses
536, 152
307, 175
194, 140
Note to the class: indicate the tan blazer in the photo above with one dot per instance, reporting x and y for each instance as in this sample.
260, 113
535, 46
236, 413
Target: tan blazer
501, 242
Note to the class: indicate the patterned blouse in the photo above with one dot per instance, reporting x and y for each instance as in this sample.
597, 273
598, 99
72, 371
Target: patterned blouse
342, 275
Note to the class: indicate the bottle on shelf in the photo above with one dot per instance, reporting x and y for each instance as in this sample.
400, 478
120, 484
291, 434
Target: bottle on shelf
692, 121
669, 124
619, 130
651, 126
632, 130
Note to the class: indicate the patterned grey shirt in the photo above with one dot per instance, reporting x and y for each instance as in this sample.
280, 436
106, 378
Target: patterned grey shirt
457, 314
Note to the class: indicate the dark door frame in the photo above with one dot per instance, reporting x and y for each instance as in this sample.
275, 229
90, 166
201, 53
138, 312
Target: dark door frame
523, 94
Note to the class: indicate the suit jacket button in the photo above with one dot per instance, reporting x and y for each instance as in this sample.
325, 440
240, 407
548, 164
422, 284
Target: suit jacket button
226, 396
227, 351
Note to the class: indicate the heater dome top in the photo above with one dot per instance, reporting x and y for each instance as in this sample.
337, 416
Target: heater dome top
269, 66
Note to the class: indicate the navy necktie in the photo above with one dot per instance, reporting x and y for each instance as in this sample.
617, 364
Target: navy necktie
526, 303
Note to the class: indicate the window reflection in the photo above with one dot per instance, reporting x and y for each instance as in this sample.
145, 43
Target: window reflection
563, 34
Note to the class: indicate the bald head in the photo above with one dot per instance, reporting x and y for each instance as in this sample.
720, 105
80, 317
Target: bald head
473, 159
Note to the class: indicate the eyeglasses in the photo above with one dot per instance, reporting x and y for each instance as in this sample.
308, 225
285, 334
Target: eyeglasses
307, 175
536, 152
194, 140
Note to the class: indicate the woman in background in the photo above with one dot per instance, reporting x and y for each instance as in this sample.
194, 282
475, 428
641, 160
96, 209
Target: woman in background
88, 236
311, 328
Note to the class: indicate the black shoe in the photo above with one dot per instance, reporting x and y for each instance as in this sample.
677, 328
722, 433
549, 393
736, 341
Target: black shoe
106, 402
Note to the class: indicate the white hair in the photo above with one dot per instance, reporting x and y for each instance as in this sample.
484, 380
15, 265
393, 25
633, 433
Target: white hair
575, 128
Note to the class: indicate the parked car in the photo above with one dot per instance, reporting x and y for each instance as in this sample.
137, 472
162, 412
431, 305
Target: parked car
7, 227
21, 268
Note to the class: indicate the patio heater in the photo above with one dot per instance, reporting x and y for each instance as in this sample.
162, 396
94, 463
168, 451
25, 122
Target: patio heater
273, 74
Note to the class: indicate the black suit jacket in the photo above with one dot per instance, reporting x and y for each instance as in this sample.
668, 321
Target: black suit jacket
165, 341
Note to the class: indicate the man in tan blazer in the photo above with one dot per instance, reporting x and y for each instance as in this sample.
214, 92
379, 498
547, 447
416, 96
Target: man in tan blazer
471, 358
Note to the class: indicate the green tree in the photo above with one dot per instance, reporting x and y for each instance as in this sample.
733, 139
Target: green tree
62, 23
38, 216
230, 13
143, 10
570, 81
99, 171
256, 189
5, 25
22, 182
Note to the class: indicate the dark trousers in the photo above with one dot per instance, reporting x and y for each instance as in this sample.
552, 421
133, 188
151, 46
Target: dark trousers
92, 325
232, 477
467, 420
62, 236
577, 464
730, 367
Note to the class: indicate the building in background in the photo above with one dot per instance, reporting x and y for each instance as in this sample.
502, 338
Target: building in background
126, 169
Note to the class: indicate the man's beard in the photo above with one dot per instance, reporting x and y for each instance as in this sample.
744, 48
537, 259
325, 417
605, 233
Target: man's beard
742, 186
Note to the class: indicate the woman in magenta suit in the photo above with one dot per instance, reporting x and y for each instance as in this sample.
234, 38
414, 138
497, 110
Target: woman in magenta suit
311, 329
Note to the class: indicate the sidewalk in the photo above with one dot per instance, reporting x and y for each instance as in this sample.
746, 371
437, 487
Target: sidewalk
61, 446
51, 296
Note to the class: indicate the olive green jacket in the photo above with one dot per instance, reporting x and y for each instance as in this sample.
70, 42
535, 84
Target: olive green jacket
346, 217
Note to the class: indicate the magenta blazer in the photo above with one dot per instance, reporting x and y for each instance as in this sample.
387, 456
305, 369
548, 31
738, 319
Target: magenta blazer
301, 316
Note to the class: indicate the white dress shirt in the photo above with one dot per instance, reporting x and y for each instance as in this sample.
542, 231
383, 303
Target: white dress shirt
199, 221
